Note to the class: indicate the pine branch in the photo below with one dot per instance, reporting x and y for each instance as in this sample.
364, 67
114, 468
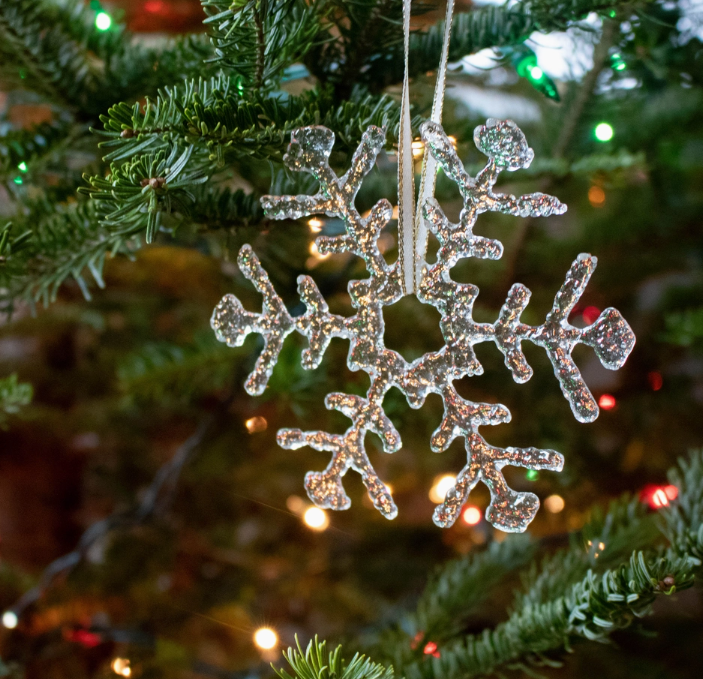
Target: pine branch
50, 244
604, 542
316, 663
572, 597
362, 29
178, 141
683, 520
54, 49
158, 371
380, 63
590, 608
257, 39
23, 150
458, 588
136, 195
217, 209
14, 396
451, 596
213, 113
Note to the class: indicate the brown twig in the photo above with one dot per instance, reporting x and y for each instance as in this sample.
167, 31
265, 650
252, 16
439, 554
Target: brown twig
260, 51
155, 503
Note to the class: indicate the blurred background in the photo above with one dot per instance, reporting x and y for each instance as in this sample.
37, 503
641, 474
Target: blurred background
124, 381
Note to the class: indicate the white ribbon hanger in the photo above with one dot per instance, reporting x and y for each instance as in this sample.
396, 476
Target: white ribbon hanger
412, 231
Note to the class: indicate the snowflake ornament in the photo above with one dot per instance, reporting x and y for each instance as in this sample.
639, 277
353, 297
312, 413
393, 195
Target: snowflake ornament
610, 336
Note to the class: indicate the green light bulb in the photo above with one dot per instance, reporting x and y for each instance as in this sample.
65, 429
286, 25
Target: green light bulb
103, 21
603, 132
22, 166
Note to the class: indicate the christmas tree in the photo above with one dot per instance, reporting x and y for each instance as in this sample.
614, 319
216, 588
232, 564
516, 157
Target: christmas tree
150, 526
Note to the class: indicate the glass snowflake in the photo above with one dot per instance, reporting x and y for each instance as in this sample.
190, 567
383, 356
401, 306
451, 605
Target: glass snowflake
610, 336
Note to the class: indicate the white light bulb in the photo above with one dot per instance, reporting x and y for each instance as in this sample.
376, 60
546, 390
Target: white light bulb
316, 518
265, 638
10, 619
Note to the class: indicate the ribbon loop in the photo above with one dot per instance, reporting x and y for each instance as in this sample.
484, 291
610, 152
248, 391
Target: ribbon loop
412, 231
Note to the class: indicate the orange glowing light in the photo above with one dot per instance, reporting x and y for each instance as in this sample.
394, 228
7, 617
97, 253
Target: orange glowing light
441, 486
315, 252
607, 402
256, 424
265, 638
471, 515
316, 519
596, 196
555, 504
120, 666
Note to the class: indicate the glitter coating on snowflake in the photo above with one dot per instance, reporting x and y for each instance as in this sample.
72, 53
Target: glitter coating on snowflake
610, 336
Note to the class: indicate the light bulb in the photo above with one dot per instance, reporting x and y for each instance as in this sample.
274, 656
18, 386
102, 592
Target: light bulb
604, 132
103, 21
554, 504
607, 402
471, 515
10, 619
265, 638
316, 518
256, 424
440, 487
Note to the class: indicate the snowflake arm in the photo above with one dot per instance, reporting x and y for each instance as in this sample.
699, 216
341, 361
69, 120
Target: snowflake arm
610, 336
325, 488
309, 151
508, 510
317, 324
232, 323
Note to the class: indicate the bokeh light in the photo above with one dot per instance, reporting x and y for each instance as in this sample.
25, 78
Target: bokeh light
590, 314
256, 424
554, 504
607, 402
604, 132
441, 486
9, 619
316, 518
471, 515
655, 379
121, 667
265, 638
315, 225
596, 196
103, 21
659, 496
